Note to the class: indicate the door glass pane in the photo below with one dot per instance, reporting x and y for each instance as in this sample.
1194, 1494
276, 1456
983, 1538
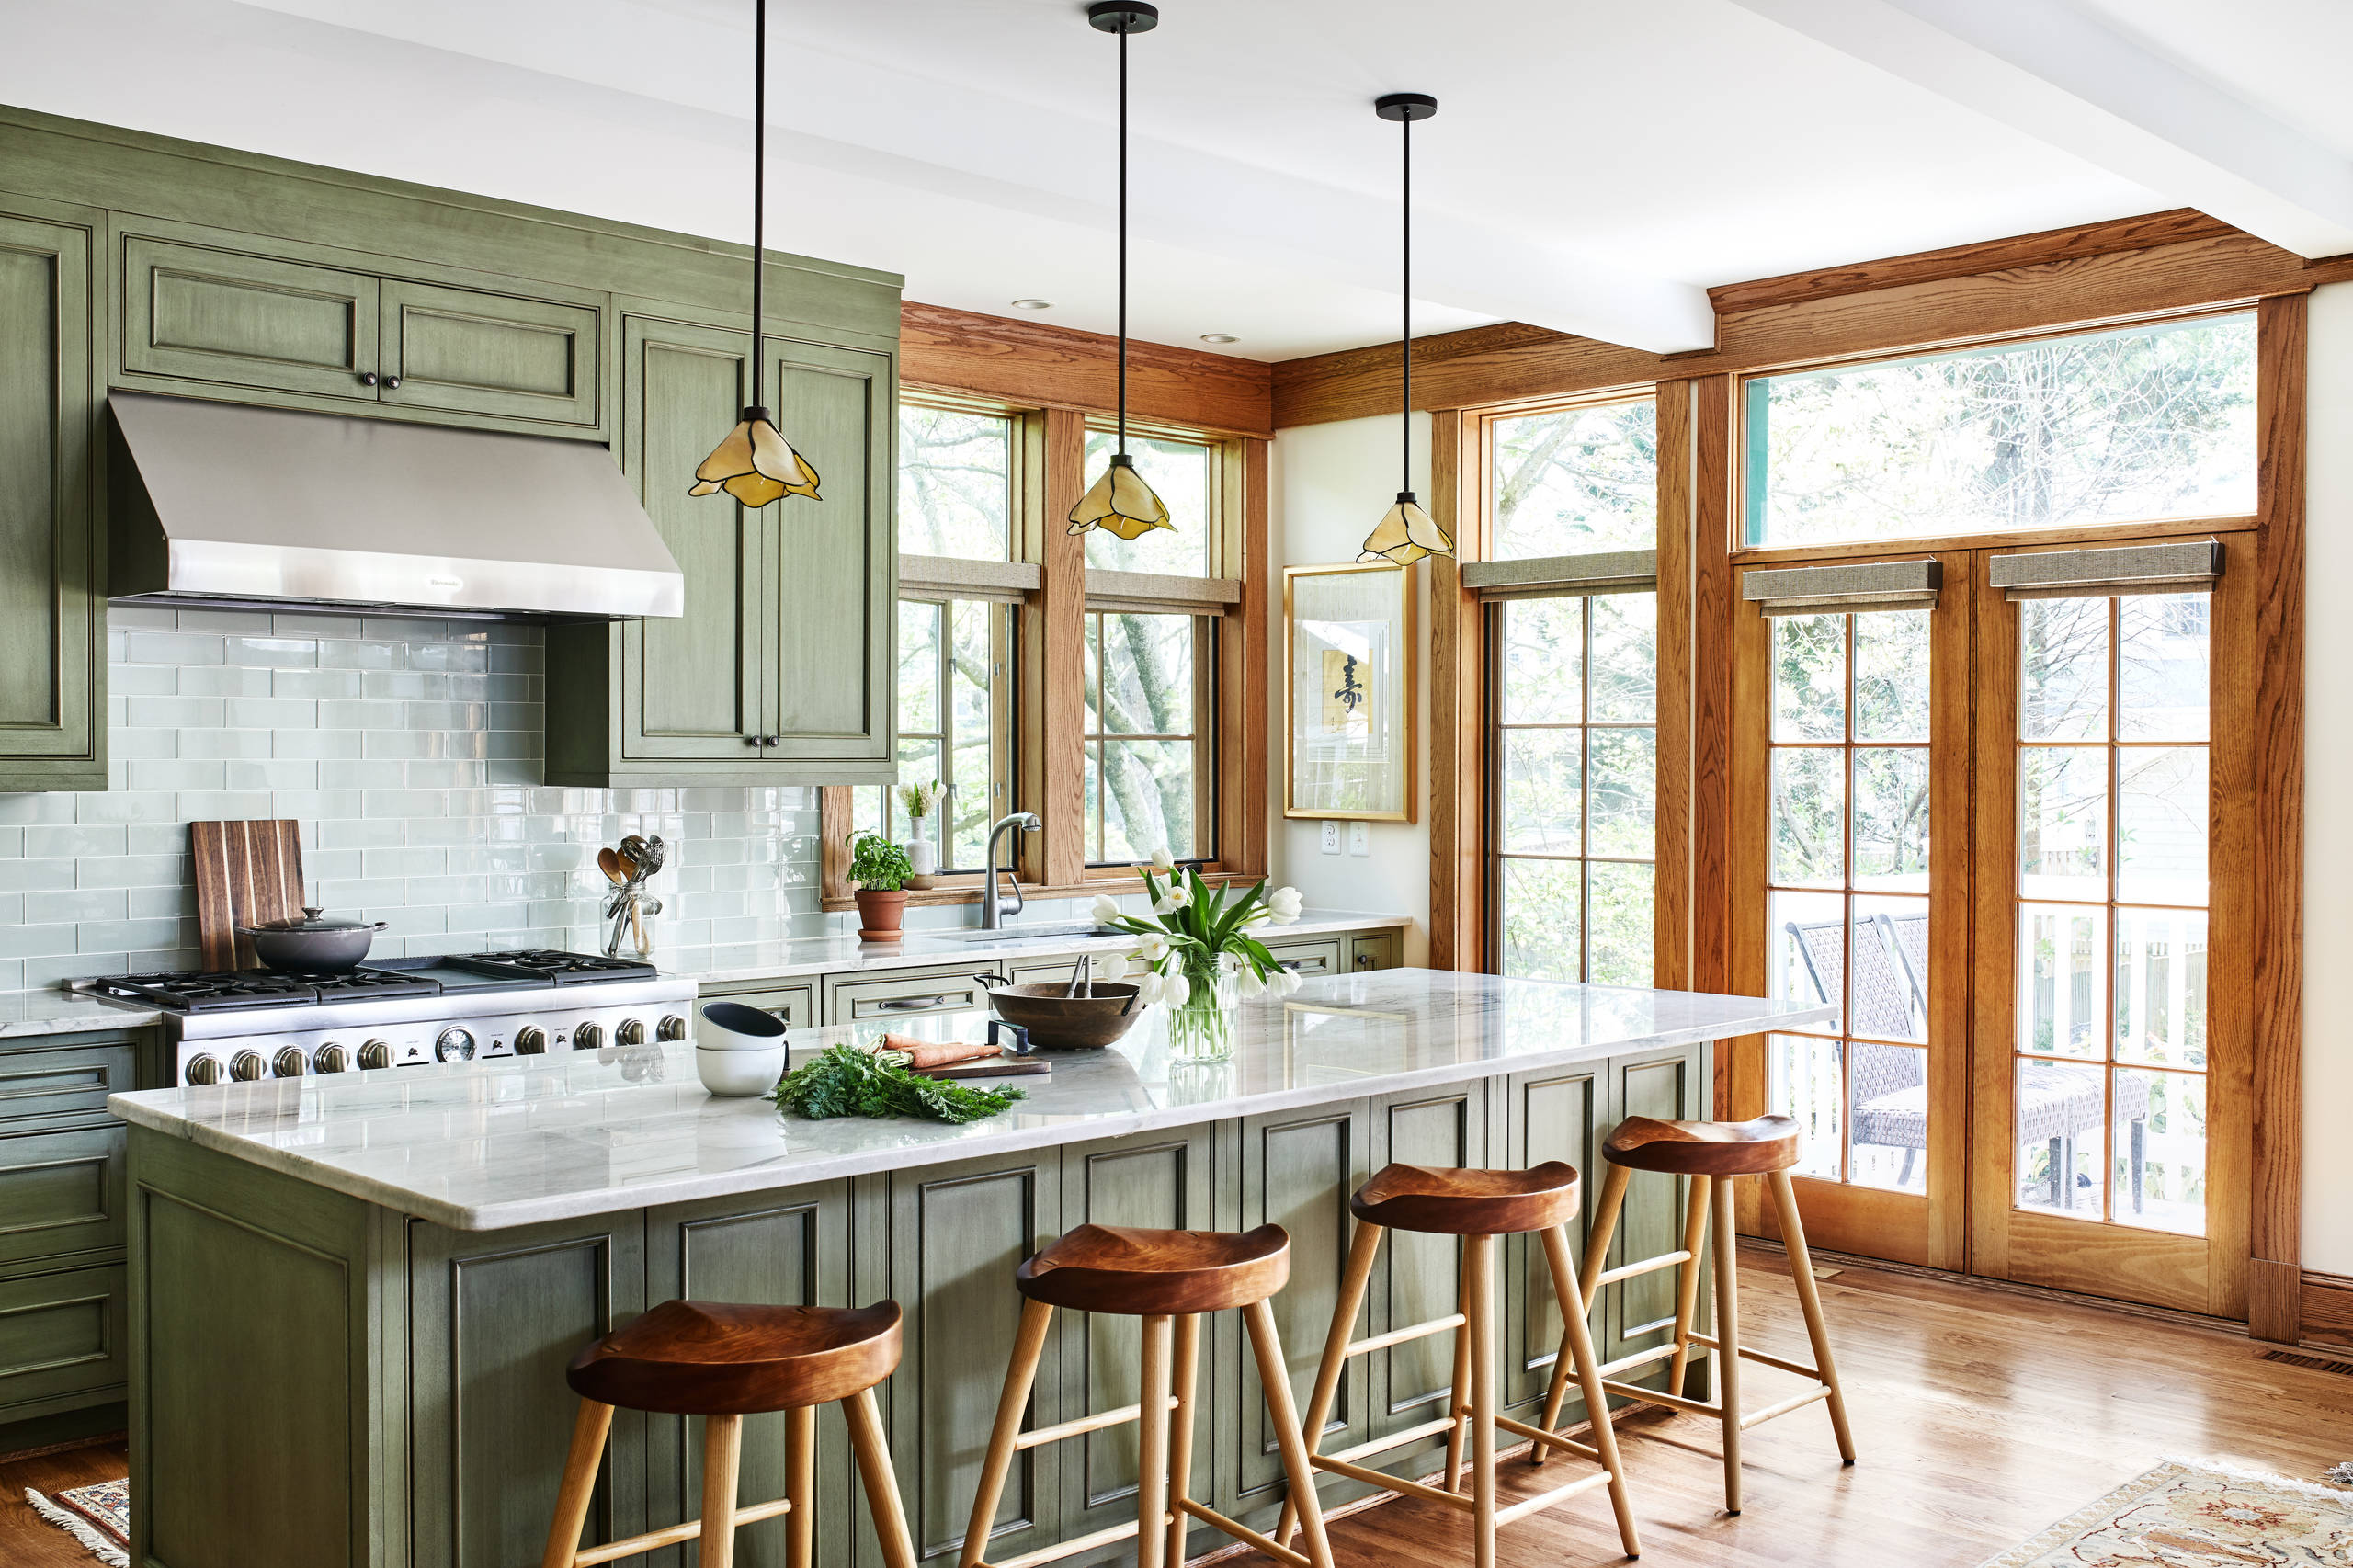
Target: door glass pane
2160, 986
1622, 781
2062, 669
1891, 1116
2063, 822
1809, 950
1892, 676
1809, 677
1543, 919
2163, 678
1809, 816
2160, 1142
2161, 824
1888, 990
1576, 481
1543, 674
2062, 1124
1178, 473
1891, 818
1619, 922
1805, 1081
2061, 972
1543, 791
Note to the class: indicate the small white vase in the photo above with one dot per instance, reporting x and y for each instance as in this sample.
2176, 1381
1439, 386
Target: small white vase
924, 857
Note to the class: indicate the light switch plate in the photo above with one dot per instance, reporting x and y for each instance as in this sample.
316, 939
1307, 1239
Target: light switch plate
1331, 838
1359, 838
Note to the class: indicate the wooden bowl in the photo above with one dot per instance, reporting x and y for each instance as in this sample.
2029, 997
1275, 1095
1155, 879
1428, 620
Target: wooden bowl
1057, 1022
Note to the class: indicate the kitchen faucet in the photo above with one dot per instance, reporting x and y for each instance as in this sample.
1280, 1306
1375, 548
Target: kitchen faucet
992, 909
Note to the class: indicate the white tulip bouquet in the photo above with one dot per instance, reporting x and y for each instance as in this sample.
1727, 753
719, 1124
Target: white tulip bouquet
1193, 939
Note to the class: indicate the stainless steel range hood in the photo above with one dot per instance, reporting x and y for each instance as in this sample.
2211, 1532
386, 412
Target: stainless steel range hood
222, 501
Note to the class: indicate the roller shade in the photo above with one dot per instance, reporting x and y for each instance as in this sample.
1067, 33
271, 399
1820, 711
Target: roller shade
1555, 577
2123, 569
1821, 590
954, 577
1160, 593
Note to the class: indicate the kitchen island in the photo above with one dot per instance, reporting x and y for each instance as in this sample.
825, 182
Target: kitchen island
353, 1297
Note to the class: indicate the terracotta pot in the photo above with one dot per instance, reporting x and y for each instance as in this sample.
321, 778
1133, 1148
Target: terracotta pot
879, 914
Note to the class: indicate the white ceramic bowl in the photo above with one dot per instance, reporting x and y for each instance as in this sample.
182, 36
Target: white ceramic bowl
732, 1025
739, 1073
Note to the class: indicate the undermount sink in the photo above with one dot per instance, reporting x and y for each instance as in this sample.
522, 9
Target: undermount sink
1060, 931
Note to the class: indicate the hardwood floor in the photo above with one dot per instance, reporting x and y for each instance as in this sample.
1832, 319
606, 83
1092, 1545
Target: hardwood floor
27, 1540
1980, 1416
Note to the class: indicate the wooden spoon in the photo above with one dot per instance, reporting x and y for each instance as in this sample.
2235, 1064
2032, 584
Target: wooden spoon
610, 862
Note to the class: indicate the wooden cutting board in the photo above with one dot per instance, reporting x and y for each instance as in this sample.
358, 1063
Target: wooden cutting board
245, 872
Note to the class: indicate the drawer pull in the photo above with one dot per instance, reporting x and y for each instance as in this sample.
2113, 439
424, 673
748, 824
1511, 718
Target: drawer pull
916, 1004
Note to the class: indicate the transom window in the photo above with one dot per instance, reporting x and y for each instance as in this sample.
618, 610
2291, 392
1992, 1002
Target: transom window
955, 483
1179, 473
1574, 481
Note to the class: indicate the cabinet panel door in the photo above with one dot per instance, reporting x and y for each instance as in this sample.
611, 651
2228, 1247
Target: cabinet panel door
53, 666
60, 1192
692, 687
1553, 1114
1418, 1276
214, 315
1376, 950
63, 1337
495, 1319
1640, 1313
56, 1082
957, 1233
780, 1249
476, 352
832, 582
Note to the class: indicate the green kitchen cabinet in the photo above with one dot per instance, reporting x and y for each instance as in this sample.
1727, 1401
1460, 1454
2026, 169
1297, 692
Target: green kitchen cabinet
464, 351
198, 313
1418, 1276
780, 671
52, 541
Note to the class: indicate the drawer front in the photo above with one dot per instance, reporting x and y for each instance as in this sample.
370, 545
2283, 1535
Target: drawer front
1309, 961
60, 1192
61, 1082
214, 315
63, 1338
796, 1004
1379, 950
474, 353
1046, 972
861, 1001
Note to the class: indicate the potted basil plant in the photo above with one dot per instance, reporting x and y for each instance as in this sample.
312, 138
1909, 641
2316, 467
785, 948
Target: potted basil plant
878, 870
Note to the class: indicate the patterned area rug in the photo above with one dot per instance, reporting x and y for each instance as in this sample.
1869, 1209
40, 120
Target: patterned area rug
2183, 1515
98, 1515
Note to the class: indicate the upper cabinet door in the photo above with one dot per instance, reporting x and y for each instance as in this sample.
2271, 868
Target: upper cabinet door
52, 661
692, 687
470, 352
831, 600
195, 314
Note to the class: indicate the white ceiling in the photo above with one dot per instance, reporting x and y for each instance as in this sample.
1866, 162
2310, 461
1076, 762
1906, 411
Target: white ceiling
1594, 166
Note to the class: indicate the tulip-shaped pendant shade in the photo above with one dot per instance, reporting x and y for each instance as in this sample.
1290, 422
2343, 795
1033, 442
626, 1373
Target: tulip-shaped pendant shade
755, 463
1406, 533
1120, 502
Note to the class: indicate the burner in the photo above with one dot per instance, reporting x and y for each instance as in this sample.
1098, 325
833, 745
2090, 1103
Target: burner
568, 968
201, 992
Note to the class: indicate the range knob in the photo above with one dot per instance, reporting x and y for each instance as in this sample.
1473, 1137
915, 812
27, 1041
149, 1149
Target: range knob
455, 1045
632, 1032
202, 1068
672, 1027
290, 1062
587, 1037
375, 1053
530, 1040
333, 1057
249, 1065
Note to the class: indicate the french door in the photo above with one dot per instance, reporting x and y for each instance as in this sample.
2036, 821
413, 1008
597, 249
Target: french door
2003, 834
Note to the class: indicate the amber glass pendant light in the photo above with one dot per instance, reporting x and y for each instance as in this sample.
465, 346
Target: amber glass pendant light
1406, 533
755, 464
1120, 502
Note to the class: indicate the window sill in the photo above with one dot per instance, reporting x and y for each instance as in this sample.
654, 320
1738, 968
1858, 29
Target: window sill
965, 888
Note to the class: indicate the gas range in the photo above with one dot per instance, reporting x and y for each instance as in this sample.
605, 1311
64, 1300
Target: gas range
402, 1012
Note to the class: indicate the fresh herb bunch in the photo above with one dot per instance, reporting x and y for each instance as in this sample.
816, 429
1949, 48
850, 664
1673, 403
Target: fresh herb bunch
846, 1081
1194, 935
877, 865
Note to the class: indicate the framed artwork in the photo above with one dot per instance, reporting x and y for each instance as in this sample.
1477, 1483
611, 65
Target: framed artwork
1348, 692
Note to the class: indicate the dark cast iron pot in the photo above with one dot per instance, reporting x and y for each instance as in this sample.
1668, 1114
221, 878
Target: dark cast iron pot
311, 943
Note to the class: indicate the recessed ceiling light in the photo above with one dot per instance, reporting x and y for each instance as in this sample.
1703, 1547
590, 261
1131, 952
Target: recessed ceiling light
1219, 337
1033, 304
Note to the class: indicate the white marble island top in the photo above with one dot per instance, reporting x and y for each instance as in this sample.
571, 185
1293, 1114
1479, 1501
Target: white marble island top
487, 1145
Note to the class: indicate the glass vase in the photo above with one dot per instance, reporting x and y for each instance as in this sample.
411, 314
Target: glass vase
1200, 1029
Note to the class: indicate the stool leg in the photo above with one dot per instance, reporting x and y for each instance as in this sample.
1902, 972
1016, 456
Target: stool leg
1727, 1335
1686, 1280
723, 1458
1478, 1264
1785, 1207
800, 1486
1185, 1379
1578, 1349
1152, 1448
881, 1482
572, 1499
1597, 1257
1362, 1248
1459, 1389
1275, 1377
1029, 1345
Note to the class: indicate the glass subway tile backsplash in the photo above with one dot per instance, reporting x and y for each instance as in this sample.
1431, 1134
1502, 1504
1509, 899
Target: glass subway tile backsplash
409, 749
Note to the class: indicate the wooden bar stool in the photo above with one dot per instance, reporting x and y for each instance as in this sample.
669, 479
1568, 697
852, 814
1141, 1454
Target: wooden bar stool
722, 1363
1711, 1154
1478, 1205
1167, 1278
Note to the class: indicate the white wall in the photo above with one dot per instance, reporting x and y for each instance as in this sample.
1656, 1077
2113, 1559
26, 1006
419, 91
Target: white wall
2328, 763
1331, 483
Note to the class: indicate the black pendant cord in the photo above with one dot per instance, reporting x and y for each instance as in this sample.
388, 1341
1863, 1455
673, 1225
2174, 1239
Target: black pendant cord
759, 177
1123, 241
1405, 311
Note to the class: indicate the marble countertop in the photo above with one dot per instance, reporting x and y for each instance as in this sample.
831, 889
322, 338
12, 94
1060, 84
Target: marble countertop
487, 1145
27, 1013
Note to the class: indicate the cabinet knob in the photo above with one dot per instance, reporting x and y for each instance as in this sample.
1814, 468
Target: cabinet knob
391, 383
367, 378
755, 739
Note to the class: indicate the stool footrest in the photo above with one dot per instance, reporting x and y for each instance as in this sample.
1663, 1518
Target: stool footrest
1397, 1439
1795, 1402
1639, 1358
1081, 1426
1407, 1334
1648, 1265
1388, 1482
1543, 1500
1549, 1439
1060, 1549
672, 1535
1655, 1396
1799, 1368
1244, 1534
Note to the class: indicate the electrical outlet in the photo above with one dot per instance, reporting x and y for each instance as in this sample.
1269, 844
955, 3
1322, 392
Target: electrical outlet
1331, 838
1359, 838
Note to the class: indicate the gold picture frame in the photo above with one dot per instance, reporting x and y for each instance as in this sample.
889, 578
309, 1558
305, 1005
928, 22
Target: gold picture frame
1351, 672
